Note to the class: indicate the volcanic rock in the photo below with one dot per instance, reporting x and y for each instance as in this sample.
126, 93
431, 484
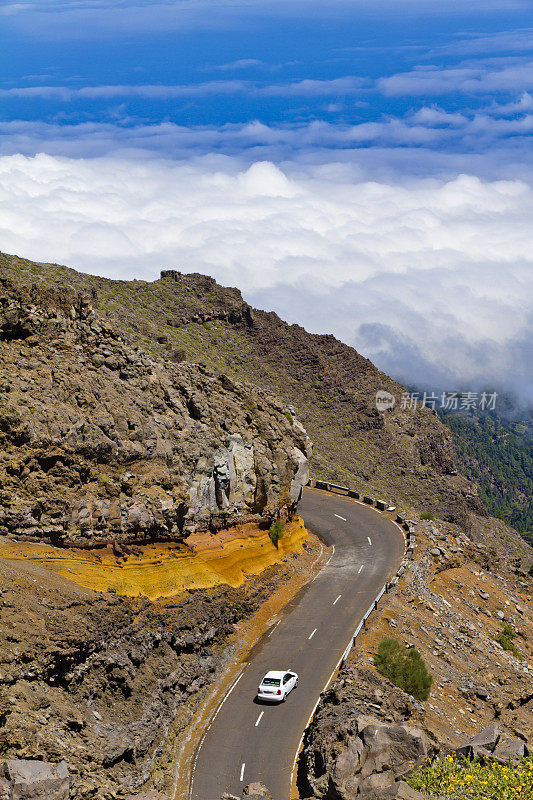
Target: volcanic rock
36, 780
99, 443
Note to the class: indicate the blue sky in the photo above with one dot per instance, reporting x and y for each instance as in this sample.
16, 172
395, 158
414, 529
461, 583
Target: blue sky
454, 77
430, 102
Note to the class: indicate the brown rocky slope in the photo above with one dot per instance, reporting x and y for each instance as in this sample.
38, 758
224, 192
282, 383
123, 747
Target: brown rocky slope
99, 442
109, 684
124, 418
403, 455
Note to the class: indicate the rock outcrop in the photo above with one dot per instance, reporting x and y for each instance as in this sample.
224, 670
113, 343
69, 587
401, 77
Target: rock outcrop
489, 744
363, 746
253, 791
99, 442
25, 779
405, 455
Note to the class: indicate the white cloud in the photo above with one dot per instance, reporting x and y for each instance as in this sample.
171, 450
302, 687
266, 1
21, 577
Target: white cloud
512, 41
240, 63
304, 88
78, 20
521, 106
348, 84
147, 91
510, 75
429, 277
428, 141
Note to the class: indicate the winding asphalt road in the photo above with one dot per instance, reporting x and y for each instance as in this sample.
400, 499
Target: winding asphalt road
248, 741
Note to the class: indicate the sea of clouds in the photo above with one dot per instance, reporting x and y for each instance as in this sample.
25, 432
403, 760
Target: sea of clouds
431, 278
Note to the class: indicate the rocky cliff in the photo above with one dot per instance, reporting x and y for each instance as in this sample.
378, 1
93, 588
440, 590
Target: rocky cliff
108, 683
100, 442
127, 414
405, 455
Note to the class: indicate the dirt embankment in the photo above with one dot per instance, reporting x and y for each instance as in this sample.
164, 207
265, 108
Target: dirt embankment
111, 683
159, 570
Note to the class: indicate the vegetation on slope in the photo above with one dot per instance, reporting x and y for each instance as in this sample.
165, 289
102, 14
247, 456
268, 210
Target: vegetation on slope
475, 780
404, 667
497, 455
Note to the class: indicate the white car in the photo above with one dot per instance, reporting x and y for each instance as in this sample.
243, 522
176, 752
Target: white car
276, 685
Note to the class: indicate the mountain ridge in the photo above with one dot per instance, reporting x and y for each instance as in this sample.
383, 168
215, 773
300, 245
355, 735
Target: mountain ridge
403, 455
160, 387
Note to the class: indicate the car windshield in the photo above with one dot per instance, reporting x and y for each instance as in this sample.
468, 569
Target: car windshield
271, 681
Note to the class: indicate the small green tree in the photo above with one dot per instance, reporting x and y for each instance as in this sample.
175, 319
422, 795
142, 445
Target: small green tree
417, 680
505, 638
389, 660
403, 667
276, 532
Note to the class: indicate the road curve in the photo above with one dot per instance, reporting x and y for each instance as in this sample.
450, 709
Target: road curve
248, 741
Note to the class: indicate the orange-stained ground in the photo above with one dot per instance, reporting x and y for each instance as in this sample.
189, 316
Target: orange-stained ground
166, 569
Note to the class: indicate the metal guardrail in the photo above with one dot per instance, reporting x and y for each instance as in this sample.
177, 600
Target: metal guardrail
362, 624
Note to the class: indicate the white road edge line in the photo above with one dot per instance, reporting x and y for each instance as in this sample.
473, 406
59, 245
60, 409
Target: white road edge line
369, 540
315, 561
339, 517
242, 772
274, 628
331, 556
337, 600
213, 718
340, 660
259, 718
360, 569
310, 637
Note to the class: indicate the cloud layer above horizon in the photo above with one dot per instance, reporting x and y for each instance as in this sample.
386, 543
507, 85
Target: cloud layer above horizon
358, 170
429, 278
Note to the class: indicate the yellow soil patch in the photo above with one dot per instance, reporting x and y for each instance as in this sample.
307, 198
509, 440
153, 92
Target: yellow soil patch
164, 570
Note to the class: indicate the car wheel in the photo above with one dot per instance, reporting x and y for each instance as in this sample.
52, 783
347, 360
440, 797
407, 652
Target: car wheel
283, 698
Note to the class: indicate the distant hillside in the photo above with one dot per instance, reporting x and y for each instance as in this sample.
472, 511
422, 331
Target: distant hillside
404, 456
498, 455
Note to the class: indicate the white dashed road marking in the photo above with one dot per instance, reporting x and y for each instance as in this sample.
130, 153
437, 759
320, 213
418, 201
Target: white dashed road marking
337, 600
310, 637
360, 569
369, 540
242, 772
339, 517
259, 718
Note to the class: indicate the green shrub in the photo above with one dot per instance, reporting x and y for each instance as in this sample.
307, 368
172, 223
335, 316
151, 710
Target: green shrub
426, 515
100, 477
505, 638
404, 667
276, 532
